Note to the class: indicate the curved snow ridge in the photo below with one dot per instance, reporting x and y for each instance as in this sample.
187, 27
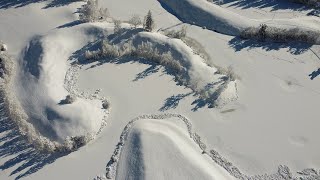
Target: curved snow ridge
217, 18
34, 100
283, 172
213, 86
111, 169
14, 111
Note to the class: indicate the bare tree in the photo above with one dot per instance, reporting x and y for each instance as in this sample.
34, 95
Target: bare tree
117, 26
135, 20
90, 12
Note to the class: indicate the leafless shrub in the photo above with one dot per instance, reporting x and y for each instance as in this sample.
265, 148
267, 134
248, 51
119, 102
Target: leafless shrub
135, 20
280, 35
70, 99
106, 104
179, 34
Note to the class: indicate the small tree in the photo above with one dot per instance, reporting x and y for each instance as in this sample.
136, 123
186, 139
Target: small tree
262, 34
135, 21
117, 26
91, 13
148, 24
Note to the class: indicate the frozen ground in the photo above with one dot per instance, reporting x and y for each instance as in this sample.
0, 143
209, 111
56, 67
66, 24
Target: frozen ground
273, 122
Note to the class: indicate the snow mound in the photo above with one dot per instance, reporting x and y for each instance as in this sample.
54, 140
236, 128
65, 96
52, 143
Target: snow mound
211, 84
217, 18
43, 83
143, 155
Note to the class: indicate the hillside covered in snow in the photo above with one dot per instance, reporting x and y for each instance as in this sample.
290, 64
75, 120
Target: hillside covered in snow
159, 89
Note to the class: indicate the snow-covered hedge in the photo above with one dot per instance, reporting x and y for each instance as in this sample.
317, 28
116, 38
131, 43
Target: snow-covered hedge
144, 50
267, 33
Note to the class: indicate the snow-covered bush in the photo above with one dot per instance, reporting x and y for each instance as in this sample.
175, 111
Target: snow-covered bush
92, 55
75, 142
135, 21
148, 23
3, 47
179, 34
280, 35
106, 104
117, 26
90, 12
70, 99
109, 50
197, 48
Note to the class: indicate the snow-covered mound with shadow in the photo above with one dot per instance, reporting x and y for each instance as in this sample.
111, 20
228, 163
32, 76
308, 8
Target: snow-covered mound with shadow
207, 81
143, 155
41, 86
217, 18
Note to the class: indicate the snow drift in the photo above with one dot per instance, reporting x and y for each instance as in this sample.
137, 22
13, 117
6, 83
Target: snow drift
214, 17
39, 86
144, 140
207, 81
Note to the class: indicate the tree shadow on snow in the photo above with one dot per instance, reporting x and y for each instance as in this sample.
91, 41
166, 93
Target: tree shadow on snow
273, 4
314, 74
5, 4
295, 48
20, 156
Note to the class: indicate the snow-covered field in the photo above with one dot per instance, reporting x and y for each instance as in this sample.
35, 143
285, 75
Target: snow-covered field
197, 123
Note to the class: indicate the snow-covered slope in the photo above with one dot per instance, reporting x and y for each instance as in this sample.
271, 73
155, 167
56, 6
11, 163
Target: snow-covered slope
143, 155
273, 121
214, 17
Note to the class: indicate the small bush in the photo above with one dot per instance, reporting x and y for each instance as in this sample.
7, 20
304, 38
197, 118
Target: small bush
90, 12
179, 34
106, 104
280, 35
135, 21
109, 50
70, 99
117, 26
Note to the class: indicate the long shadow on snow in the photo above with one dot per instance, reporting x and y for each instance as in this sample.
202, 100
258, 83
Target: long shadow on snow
172, 102
5, 4
273, 4
295, 48
22, 156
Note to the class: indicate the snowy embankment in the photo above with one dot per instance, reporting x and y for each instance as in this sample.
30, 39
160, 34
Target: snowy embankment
215, 17
214, 86
41, 85
146, 137
201, 78
143, 140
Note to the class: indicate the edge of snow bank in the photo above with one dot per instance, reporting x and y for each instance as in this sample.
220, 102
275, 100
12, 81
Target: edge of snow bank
216, 18
282, 173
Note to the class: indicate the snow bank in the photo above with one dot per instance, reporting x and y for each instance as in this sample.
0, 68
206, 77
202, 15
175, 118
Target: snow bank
44, 81
217, 88
137, 154
214, 17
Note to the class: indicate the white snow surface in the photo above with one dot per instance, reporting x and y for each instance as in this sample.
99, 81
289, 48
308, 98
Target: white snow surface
215, 17
40, 85
164, 146
272, 123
